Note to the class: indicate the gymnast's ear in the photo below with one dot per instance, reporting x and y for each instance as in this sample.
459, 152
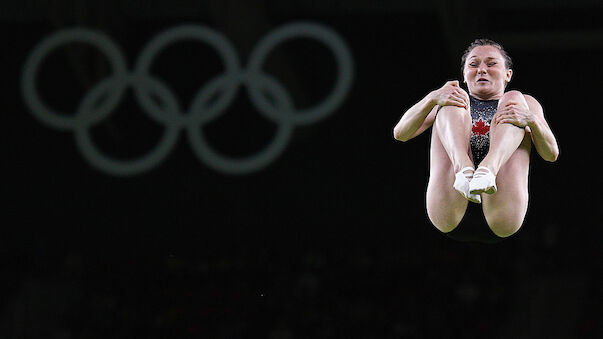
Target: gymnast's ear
508, 75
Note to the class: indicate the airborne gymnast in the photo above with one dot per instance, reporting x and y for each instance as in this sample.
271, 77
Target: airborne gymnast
480, 146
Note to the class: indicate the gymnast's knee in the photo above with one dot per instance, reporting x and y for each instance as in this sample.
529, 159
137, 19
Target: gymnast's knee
512, 96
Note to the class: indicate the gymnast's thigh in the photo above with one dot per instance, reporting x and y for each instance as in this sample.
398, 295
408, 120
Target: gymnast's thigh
505, 210
445, 206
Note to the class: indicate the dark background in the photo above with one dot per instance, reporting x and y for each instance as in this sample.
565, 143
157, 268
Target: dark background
331, 239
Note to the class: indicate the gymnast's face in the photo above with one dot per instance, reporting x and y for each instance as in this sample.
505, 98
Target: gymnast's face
485, 73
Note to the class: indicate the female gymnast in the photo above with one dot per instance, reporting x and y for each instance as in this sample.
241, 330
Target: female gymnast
488, 127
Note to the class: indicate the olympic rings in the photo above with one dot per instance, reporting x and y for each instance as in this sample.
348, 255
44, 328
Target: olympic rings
102, 99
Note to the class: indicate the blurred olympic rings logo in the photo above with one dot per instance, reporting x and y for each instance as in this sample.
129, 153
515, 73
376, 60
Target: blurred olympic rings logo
209, 102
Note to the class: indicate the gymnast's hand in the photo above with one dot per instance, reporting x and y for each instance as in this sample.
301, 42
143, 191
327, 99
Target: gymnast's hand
451, 94
516, 113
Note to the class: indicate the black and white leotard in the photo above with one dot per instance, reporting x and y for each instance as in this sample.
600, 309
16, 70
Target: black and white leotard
482, 112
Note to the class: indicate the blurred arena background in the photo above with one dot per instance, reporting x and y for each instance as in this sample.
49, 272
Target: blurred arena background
239, 179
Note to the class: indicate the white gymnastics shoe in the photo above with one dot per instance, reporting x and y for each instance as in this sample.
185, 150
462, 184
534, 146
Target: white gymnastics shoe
484, 181
461, 184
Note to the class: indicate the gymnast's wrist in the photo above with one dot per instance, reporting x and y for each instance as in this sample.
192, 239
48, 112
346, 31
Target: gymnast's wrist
533, 123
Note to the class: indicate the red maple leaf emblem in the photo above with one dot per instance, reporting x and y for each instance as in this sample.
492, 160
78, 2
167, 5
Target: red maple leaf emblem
480, 128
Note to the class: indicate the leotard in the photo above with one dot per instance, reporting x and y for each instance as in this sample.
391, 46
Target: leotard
482, 112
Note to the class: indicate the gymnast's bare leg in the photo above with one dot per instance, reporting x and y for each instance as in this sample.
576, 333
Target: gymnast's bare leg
509, 159
449, 153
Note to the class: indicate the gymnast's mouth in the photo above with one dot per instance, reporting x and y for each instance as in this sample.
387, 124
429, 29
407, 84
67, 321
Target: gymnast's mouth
482, 79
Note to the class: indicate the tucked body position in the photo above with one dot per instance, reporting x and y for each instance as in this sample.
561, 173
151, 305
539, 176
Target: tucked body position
480, 145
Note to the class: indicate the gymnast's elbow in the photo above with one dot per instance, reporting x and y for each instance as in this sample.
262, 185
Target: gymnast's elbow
549, 155
552, 156
398, 135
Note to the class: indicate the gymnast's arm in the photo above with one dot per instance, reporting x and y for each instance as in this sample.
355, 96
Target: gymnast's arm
416, 119
542, 136
421, 115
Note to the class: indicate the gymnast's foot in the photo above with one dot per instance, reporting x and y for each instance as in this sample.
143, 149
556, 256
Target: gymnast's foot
484, 181
461, 184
